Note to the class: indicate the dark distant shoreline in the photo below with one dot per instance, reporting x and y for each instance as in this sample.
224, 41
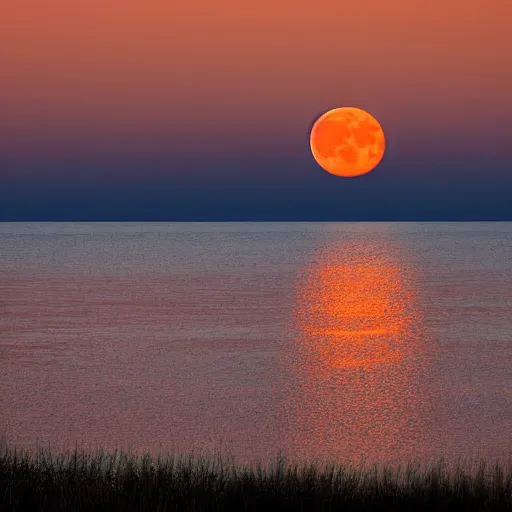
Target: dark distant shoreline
119, 481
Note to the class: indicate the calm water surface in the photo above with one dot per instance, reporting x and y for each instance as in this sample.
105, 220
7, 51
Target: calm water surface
388, 341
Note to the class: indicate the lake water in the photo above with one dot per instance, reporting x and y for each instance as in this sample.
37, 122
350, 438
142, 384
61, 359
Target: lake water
389, 341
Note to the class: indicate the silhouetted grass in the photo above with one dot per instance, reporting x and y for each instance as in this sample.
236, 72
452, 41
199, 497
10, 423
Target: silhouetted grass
118, 481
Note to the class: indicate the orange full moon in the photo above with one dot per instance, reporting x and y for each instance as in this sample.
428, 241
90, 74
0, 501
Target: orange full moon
347, 141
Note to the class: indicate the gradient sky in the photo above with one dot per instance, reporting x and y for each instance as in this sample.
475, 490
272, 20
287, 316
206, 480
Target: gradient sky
201, 109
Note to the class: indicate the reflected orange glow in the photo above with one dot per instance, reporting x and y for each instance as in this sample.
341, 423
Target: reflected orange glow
358, 359
354, 308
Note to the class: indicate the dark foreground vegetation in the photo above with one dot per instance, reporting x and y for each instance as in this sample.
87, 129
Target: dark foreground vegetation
81, 481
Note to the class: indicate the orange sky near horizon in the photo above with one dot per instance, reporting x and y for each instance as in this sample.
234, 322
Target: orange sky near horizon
160, 74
